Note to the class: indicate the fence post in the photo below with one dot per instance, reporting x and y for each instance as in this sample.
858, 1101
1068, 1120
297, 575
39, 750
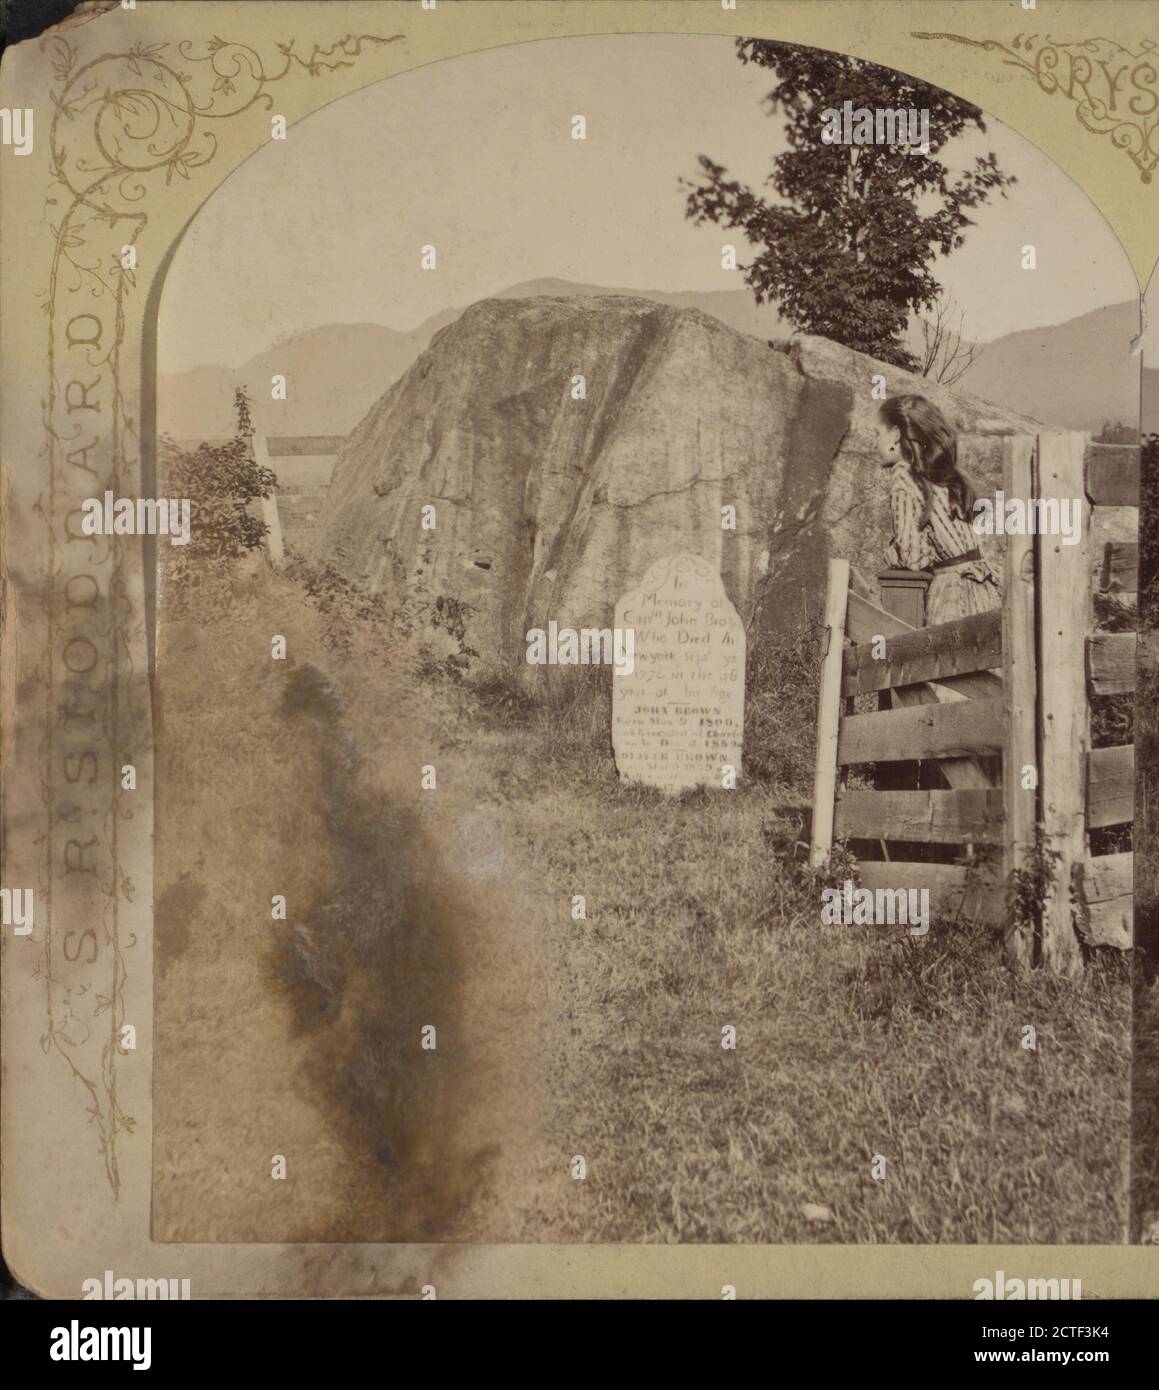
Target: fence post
1065, 620
269, 505
1019, 690
829, 714
903, 593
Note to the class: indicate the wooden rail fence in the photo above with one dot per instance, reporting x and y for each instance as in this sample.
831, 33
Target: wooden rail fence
981, 748
267, 447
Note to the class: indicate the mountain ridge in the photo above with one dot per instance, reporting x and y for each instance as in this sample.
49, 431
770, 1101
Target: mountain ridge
1062, 373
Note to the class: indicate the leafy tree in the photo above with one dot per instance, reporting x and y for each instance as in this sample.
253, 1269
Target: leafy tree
220, 480
241, 408
846, 246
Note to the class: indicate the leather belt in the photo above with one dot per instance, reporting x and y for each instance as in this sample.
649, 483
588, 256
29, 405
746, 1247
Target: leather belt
969, 555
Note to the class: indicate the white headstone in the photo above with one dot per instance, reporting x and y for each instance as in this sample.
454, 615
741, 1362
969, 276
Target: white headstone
678, 719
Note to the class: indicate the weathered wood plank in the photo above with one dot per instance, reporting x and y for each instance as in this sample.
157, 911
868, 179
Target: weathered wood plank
963, 773
1065, 610
962, 729
1112, 474
1104, 895
953, 891
925, 654
1110, 786
927, 817
1019, 689
1111, 662
865, 621
1119, 567
829, 714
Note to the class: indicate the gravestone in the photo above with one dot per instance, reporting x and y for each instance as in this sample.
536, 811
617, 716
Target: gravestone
678, 719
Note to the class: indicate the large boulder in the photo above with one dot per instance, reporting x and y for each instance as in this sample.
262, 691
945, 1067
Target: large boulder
551, 501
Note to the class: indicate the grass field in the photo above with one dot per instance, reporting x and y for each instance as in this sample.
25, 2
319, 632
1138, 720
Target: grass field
558, 1038
851, 1042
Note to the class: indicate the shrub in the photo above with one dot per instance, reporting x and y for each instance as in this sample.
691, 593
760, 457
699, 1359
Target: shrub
221, 481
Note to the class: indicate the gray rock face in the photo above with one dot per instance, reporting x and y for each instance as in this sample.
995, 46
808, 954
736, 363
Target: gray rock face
550, 506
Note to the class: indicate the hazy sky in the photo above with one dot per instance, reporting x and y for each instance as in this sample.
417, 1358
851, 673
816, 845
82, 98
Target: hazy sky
475, 156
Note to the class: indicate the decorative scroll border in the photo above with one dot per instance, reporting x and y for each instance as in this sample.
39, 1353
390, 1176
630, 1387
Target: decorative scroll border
1090, 73
334, 1270
124, 125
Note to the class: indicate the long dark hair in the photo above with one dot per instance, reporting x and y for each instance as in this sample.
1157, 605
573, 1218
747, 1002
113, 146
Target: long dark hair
929, 445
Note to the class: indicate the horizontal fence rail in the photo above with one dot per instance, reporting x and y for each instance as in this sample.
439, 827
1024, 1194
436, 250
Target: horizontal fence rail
929, 817
982, 734
925, 654
956, 890
1104, 896
958, 730
1110, 786
288, 446
1111, 662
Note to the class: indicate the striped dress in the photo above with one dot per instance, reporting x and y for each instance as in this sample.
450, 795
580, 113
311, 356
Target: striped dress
971, 587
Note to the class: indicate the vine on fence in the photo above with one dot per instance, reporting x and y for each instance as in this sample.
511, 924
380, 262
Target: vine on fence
1029, 884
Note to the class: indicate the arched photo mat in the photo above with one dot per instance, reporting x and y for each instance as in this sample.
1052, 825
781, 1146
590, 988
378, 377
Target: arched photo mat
87, 657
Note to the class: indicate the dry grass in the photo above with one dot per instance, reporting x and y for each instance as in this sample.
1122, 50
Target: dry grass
599, 1037
851, 1042
303, 1037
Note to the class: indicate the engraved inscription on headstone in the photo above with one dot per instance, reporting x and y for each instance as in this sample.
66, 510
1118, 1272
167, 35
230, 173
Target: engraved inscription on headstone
678, 719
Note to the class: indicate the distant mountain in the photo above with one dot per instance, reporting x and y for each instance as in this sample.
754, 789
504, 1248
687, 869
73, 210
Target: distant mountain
335, 373
1076, 374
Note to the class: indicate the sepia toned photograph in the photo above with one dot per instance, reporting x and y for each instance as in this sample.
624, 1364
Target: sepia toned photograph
571, 625
549, 957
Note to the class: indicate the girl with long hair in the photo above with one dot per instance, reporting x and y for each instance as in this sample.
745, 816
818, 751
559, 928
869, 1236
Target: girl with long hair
932, 503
